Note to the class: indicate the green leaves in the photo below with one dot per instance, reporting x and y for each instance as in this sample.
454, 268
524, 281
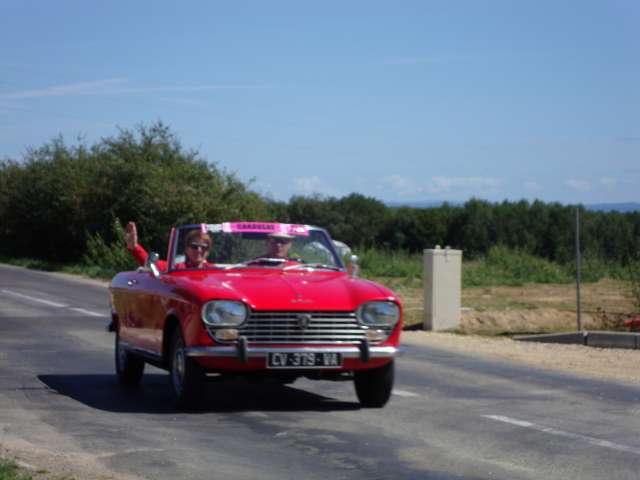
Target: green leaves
61, 202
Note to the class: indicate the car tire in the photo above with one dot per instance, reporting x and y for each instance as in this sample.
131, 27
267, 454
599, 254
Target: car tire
129, 367
186, 377
374, 386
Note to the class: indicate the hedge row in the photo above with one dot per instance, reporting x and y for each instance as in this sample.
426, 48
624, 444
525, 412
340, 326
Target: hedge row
63, 201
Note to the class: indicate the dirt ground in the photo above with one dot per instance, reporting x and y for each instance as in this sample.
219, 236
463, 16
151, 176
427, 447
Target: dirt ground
491, 315
535, 308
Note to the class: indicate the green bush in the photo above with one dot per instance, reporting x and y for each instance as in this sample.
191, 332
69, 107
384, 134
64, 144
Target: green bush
10, 471
60, 201
386, 263
633, 270
503, 266
500, 266
62, 198
108, 259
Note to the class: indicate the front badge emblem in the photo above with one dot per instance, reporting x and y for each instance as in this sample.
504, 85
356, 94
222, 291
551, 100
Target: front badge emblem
304, 321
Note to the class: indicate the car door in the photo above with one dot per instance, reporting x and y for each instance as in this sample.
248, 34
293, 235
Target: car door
137, 304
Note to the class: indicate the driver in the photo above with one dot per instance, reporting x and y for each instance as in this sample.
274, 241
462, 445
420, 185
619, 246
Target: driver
197, 247
278, 245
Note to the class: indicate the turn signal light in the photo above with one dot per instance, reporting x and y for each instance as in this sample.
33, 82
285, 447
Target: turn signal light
227, 334
375, 335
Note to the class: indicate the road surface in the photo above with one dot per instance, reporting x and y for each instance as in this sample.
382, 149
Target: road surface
452, 416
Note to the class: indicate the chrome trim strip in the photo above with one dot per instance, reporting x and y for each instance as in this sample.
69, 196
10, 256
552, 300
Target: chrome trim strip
324, 328
263, 352
138, 350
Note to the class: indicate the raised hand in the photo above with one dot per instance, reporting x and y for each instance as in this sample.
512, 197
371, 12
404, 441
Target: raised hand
131, 235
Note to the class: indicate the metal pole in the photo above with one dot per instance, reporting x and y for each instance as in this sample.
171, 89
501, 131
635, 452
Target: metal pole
578, 310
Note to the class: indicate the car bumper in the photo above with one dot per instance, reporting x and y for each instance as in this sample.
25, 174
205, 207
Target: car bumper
263, 352
243, 357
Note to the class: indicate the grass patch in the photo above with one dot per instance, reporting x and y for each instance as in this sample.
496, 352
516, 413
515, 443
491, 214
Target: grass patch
391, 264
9, 470
501, 266
92, 271
505, 267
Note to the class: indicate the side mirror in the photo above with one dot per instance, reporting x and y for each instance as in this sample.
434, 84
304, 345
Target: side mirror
151, 264
353, 267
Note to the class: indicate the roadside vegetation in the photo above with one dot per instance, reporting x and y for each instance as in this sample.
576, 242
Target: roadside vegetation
63, 207
500, 266
10, 471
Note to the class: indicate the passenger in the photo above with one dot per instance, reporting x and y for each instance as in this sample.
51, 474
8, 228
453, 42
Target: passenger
136, 250
197, 247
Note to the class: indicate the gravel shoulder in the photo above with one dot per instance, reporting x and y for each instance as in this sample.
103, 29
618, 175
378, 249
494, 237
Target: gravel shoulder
620, 365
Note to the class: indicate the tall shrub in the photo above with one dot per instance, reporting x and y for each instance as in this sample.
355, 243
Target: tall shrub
62, 196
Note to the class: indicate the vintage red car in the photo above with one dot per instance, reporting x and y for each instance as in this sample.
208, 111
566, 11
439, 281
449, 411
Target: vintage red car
255, 314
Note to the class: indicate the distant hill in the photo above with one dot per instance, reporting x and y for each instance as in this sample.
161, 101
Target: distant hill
425, 204
596, 207
614, 207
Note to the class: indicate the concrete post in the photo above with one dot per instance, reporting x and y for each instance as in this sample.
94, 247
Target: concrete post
442, 288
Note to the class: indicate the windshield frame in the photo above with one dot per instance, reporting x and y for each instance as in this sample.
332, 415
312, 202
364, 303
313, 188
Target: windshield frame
218, 228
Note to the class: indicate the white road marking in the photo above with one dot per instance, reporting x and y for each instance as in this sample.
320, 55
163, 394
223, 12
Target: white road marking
89, 312
33, 299
256, 415
54, 304
560, 433
130, 451
404, 393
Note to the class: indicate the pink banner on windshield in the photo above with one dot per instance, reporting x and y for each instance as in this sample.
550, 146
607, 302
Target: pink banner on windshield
263, 227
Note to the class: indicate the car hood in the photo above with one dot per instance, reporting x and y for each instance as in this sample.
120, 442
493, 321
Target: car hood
271, 289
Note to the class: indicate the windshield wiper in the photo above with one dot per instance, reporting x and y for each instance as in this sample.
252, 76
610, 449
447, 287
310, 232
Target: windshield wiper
258, 261
302, 266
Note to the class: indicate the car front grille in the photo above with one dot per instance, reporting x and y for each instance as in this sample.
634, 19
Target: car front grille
289, 327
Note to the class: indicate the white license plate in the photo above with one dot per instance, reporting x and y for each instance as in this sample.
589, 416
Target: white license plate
304, 360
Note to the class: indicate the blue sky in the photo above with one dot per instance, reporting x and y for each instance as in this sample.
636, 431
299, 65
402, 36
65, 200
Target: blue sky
402, 101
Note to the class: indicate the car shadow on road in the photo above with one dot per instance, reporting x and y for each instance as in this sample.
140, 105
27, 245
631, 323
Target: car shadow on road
153, 395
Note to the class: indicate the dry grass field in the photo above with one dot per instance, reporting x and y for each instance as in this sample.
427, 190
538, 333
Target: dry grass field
532, 308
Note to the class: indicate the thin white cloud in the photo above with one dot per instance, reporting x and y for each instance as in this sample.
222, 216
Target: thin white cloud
608, 182
182, 89
473, 185
401, 186
110, 87
532, 187
82, 88
578, 185
313, 185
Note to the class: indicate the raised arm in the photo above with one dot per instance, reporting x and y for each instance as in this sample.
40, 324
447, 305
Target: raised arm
136, 250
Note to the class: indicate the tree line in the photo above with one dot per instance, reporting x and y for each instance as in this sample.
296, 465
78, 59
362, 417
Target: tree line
63, 198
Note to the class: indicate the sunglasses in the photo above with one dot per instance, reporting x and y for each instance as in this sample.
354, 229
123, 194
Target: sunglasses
196, 246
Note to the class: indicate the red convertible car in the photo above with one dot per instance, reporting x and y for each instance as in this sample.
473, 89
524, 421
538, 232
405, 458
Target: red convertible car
250, 311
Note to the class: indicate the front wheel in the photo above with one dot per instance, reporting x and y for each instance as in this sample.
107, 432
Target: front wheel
186, 376
373, 387
129, 367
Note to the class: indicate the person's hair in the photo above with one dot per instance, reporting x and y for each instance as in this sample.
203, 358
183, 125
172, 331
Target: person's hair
196, 235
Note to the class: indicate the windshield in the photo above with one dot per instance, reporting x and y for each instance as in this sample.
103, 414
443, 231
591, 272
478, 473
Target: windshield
252, 244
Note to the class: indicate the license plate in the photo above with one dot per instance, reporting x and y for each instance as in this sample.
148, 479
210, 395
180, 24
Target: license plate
304, 360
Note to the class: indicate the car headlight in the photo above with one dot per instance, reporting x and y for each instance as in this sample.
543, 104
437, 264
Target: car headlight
379, 314
224, 313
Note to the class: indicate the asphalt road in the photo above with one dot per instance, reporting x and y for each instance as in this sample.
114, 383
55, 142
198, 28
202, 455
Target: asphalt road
451, 416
